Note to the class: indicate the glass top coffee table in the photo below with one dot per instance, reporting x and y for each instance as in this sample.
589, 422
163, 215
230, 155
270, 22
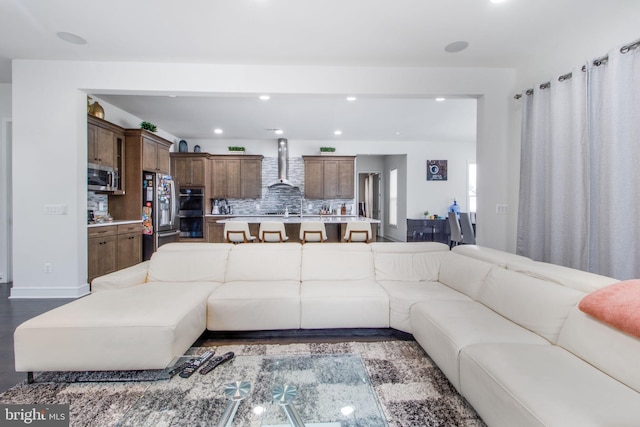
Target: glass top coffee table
270, 391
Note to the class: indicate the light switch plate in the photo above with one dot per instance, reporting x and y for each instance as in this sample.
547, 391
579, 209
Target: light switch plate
58, 209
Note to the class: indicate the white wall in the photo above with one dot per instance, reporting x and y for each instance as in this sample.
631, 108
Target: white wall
56, 142
5, 180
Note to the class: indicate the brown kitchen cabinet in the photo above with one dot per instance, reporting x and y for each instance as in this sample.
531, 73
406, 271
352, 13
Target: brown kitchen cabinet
106, 146
113, 247
155, 154
329, 177
189, 169
129, 248
235, 177
214, 232
145, 152
251, 178
101, 250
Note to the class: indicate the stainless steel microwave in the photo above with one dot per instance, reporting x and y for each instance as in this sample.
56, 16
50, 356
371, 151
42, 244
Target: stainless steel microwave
102, 178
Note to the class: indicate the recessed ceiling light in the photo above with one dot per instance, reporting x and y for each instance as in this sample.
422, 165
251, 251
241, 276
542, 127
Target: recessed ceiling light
337, 132
217, 131
264, 97
71, 38
172, 96
351, 98
441, 99
279, 131
496, 1
455, 47
398, 133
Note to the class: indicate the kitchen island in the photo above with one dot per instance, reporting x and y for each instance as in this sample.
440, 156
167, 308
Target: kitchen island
335, 225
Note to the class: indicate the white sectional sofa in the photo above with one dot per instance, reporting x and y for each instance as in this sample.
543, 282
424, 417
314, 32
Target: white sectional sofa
505, 330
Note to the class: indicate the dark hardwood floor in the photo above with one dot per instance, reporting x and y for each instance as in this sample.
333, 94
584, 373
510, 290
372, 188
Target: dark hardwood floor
12, 313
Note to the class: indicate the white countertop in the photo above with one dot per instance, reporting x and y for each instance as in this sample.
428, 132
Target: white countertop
115, 222
337, 219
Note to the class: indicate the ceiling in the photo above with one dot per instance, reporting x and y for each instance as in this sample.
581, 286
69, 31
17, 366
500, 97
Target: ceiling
397, 33
306, 117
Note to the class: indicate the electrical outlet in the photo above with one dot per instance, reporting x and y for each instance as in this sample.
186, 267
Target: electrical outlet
48, 267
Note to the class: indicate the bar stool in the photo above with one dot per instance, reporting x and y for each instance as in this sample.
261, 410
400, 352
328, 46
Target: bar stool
237, 232
468, 235
272, 231
456, 232
312, 231
358, 232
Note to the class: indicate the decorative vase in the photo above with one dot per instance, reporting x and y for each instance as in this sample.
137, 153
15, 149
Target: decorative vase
96, 110
182, 146
197, 149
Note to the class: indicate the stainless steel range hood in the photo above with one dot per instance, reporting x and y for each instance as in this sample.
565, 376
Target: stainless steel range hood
283, 167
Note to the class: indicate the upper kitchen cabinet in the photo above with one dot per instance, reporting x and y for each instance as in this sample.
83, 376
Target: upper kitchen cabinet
145, 152
106, 147
189, 169
329, 177
155, 152
235, 177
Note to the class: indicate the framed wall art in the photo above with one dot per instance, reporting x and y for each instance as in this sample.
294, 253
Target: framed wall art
436, 170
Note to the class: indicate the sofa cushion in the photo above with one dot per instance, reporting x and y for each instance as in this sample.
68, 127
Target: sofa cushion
603, 346
407, 266
403, 295
143, 327
464, 274
445, 326
565, 276
343, 304
189, 266
535, 304
617, 305
254, 305
542, 385
264, 262
337, 261
489, 255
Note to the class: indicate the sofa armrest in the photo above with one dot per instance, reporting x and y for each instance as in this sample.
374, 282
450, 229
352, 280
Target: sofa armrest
125, 278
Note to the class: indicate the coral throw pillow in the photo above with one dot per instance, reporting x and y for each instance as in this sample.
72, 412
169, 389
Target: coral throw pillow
617, 305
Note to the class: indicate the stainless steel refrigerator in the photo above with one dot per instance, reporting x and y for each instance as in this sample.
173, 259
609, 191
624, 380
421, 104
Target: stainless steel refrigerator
159, 212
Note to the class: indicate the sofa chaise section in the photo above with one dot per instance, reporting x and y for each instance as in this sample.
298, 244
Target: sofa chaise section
142, 327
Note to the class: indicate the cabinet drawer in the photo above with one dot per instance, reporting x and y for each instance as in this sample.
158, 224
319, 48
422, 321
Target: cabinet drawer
129, 228
108, 230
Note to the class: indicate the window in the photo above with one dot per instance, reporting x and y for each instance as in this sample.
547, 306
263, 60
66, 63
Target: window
471, 187
393, 197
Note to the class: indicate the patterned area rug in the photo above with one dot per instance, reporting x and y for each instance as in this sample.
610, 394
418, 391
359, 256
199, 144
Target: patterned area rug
410, 389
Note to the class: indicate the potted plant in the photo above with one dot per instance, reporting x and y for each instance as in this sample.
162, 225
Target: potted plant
426, 214
327, 150
148, 126
236, 150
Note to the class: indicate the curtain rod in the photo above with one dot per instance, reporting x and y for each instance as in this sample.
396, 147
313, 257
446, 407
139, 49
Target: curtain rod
596, 62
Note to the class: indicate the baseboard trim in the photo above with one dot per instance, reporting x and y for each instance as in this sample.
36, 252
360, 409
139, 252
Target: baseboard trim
42, 292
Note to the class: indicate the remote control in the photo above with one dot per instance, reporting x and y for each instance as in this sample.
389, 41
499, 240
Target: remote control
215, 362
180, 367
195, 364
